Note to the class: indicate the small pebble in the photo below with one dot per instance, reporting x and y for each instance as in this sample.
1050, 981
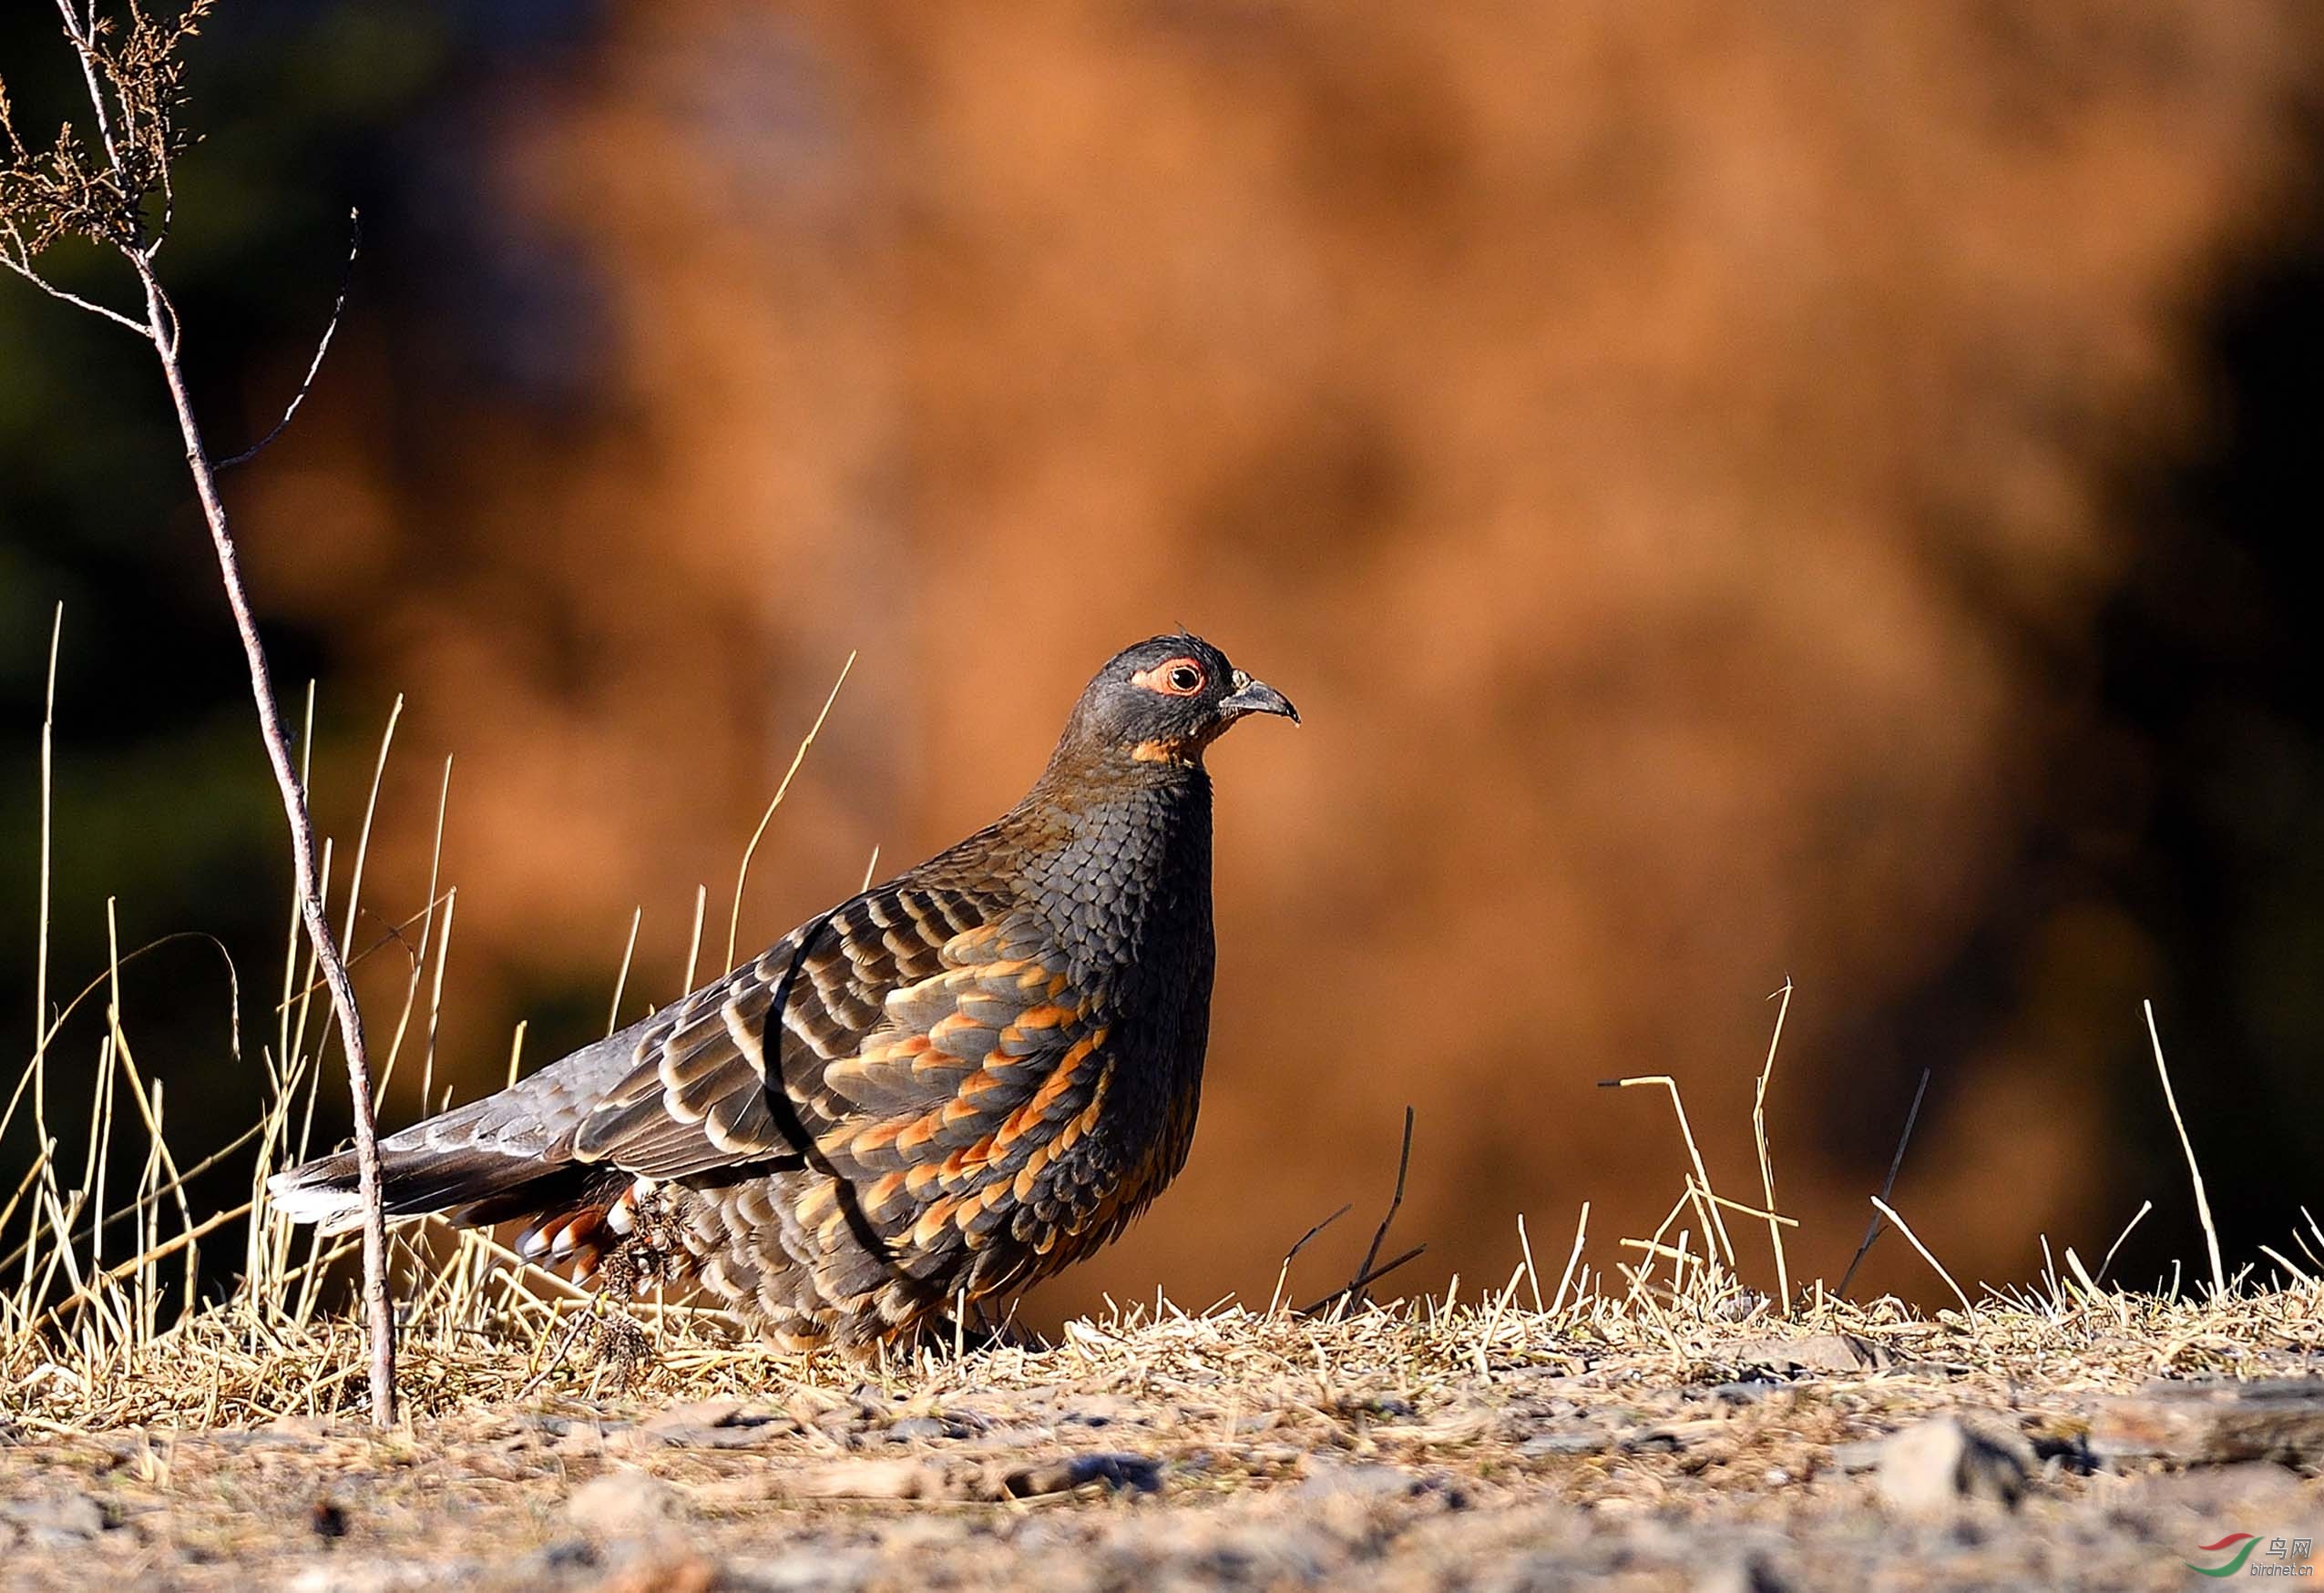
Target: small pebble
1934, 1466
623, 1503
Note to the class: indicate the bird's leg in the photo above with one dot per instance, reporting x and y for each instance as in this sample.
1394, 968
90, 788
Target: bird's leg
968, 1328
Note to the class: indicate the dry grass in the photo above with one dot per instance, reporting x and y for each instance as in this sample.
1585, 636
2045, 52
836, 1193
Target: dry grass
484, 1332
95, 1343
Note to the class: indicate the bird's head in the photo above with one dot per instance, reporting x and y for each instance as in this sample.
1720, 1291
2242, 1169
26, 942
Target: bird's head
1163, 701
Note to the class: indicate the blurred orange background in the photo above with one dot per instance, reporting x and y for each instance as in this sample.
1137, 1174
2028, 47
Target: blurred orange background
1683, 464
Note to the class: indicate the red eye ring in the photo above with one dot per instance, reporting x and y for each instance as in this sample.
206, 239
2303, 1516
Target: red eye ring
1173, 678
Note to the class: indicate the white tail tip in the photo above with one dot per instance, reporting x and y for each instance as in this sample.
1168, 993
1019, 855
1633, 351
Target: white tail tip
331, 1210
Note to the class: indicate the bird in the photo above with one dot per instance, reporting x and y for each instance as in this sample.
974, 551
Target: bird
938, 1092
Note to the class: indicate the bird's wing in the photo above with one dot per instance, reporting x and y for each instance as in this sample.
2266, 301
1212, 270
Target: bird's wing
963, 1110
929, 1051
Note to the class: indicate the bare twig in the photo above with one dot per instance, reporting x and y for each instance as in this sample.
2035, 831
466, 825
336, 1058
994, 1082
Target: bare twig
1872, 1230
9, 261
1367, 1273
302, 857
1283, 1274
338, 308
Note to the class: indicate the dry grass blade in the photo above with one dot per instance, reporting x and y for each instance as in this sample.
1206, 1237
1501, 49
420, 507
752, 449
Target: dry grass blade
2194, 1172
743, 875
1712, 1221
1573, 1259
371, 816
1525, 1249
48, 848
621, 980
1927, 1255
420, 954
2292, 1269
1766, 1165
694, 944
2103, 1266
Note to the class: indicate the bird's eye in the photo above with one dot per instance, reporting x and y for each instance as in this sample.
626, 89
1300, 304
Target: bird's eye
1177, 677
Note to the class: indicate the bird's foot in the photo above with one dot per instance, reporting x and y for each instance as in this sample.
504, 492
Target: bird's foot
620, 1346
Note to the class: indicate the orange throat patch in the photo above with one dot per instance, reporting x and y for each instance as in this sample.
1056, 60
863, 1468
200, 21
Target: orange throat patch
1178, 750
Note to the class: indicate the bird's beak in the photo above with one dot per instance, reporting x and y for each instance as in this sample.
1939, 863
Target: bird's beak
1251, 696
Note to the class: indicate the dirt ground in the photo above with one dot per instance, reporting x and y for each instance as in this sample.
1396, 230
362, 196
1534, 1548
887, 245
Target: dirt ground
1245, 1451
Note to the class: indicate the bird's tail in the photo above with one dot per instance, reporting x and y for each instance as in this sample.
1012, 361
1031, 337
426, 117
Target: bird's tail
430, 1166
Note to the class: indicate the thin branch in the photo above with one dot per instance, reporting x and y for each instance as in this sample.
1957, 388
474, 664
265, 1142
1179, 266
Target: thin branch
75, 300
317, 919
1283, 1274
1364, 1280
338, 308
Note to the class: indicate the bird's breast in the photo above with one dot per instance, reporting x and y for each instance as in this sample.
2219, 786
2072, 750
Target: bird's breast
1126, 891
